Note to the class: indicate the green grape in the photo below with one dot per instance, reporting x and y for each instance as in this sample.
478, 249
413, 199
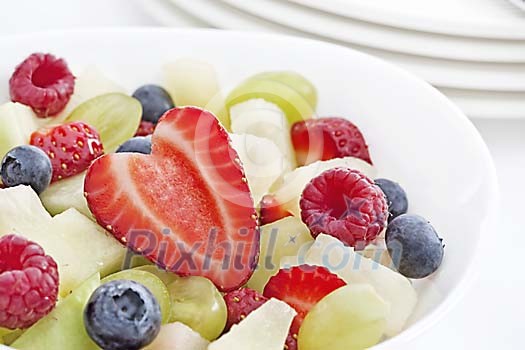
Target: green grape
197, 303
150, 281
291, 92
295, 81
115, 116
165, 276
282, 238
352, 317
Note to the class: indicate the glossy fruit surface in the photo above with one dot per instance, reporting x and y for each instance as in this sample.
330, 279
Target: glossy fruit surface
291, 92
196, 302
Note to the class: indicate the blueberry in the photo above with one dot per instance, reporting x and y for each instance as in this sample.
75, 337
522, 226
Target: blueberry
414, 245
137, 144
395, 196
155, 102
27, 165
122, 314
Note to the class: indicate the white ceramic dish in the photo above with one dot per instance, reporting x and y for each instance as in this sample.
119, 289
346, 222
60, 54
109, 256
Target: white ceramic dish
382, 37
438, 72
416, 135
495, 19
519, 3
472, 86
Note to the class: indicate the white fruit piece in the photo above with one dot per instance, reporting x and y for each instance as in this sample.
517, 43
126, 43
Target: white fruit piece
262, 160
394, 288
78, 245
264, 329
64, 327
288, 192
378, 252
65, 194
264, 119
17, 123
288, 237
195, 83
91, 82
178, 336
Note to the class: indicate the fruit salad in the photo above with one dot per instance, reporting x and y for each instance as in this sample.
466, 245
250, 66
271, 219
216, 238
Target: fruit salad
179, 216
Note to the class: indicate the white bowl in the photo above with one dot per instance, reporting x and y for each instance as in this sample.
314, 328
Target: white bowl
416, 135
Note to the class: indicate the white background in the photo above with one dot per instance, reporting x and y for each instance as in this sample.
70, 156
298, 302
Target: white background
491, 315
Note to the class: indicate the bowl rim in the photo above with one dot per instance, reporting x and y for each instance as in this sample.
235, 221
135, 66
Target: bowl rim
470, 272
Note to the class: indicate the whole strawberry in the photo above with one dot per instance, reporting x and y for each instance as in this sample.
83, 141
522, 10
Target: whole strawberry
71, 147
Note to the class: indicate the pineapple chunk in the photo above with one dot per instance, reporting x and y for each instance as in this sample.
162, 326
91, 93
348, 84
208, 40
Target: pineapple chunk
264, 329
79, 246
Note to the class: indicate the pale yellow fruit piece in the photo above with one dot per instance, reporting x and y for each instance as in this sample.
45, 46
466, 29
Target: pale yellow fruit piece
91, 82
195, 83
17, 123
282, 238
178, 336
266, 328
262, 161
78, 245
264, 119
352, 267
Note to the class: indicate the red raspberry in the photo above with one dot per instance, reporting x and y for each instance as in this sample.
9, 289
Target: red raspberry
240, 303
346, 204
301, 287
42, 82
71, 147
28, 282
145, 128
328, 138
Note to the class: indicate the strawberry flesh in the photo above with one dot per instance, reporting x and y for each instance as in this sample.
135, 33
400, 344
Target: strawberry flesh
328, 138
187, 206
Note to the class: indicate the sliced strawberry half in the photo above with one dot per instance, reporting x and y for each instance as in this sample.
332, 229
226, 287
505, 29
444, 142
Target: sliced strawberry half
187, 206
301, 287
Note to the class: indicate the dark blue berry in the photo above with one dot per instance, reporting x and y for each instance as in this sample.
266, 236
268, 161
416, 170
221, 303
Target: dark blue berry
155, 102
122, 315
27, 165
414, 246
139, 144
396, 197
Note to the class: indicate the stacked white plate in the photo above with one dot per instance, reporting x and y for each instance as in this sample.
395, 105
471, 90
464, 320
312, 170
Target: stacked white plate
472, 50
